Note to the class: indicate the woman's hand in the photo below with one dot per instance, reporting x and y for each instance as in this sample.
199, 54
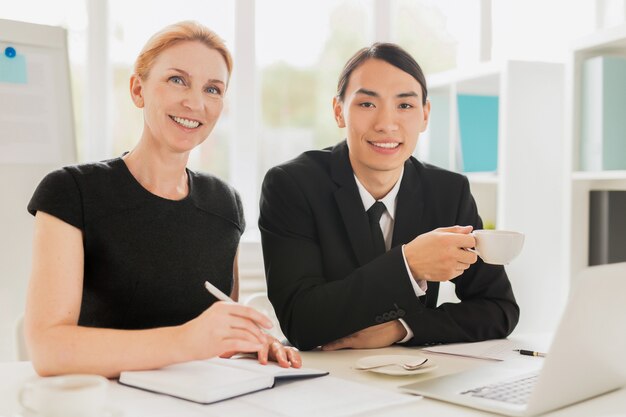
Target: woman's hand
225, 327
273, 350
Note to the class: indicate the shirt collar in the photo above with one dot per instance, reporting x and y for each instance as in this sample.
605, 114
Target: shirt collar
389, 200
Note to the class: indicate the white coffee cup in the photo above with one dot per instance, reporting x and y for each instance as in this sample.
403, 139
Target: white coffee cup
497, 247
65, 396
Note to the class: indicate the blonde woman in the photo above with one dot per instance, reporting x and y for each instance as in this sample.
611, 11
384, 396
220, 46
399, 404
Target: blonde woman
122, 247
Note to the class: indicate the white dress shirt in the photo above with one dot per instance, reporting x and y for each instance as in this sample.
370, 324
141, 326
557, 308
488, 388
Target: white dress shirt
387, 221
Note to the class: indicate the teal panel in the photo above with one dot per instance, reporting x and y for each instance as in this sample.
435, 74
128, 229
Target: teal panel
614, 114
478, 127
591, 95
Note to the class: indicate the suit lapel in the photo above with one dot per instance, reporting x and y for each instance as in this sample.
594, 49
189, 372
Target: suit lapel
410, 206
350, 205
409, 221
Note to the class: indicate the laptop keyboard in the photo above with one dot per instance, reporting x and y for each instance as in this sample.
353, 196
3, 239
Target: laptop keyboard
513, 391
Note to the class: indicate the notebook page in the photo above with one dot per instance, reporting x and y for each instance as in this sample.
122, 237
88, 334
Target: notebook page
201, 381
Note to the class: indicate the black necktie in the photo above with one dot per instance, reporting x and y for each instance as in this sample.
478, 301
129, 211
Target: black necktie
374, 214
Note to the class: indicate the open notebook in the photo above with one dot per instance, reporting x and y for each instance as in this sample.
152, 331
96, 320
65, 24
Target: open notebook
213, 380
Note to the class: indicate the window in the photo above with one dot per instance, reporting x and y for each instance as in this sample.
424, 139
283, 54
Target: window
540, 30
430, 30
299, 61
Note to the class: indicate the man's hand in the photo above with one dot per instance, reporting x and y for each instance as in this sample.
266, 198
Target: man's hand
440, 255
378, 336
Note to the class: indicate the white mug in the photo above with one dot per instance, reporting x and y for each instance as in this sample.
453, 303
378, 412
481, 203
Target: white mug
497, 247
65, 396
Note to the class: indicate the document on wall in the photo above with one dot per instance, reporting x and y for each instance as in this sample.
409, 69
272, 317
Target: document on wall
496, 349
29, 107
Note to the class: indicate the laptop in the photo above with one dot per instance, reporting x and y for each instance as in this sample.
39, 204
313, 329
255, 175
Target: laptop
586, 358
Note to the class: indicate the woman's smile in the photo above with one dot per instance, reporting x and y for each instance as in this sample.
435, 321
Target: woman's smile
187, 123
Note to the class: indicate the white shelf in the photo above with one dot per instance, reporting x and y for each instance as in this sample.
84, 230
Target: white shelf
578, 184
520, 195
482, 177
599, 175
607, 41
482, 75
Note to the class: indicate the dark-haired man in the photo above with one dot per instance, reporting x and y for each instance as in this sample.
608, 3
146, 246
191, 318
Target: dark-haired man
357, 237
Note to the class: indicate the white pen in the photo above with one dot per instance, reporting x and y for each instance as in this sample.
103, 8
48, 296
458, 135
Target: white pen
223, 297
217, 293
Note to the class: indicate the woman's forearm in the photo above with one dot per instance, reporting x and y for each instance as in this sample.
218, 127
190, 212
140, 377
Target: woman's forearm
65, 349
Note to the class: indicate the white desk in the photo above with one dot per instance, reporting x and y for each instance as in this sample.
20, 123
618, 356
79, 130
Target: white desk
136, 403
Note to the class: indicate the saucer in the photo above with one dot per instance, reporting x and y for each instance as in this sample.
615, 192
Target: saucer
395, 370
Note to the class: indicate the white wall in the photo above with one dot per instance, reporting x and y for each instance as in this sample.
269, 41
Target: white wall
15, 255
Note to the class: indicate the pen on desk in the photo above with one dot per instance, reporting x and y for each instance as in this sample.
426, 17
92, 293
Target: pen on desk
530, 353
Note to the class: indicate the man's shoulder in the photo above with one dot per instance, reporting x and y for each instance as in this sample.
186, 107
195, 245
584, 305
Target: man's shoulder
307, 165
435, 173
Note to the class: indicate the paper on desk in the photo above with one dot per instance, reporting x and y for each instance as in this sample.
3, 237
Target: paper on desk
328, 396
497, 349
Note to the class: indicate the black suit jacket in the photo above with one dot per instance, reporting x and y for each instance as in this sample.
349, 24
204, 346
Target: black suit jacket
323, 278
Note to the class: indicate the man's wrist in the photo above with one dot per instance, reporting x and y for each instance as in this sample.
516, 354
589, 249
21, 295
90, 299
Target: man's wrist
419, 286
405, 332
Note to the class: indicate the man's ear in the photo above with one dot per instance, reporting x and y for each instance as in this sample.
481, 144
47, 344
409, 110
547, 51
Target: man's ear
136, 91
426, 114
338, 111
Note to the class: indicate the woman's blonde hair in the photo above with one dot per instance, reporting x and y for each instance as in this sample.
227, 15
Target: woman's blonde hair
171, 35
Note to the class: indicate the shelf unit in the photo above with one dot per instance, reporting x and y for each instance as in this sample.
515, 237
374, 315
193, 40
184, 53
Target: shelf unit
608, 42
441, 145
524, 193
